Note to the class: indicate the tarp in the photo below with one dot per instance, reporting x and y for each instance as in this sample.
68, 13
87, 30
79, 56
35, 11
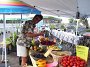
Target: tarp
62, 7
16, 6
15, 17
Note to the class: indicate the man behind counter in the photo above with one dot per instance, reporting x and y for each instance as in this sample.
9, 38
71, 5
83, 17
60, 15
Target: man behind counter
26, 36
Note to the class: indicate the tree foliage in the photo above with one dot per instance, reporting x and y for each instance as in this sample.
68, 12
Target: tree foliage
55, 20
84, 21
71, 20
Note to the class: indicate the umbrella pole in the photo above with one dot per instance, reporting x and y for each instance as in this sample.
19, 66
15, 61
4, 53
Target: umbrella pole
2, 54
20, 22
3, 46
4, 41
13, 32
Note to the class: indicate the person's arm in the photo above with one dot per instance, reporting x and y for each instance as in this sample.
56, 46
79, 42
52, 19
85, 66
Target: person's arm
34, 34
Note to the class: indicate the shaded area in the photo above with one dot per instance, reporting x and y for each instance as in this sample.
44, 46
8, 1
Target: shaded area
13, 60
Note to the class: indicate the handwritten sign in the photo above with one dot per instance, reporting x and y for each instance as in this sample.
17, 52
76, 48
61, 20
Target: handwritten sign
48, 52
82, 52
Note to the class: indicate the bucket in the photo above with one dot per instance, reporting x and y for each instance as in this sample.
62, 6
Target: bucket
37, 56
38, 60
57, 55
54, 64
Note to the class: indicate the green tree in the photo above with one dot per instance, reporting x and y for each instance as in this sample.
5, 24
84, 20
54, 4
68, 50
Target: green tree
62, 26
84, 21
71, 20
52, 26
56, 20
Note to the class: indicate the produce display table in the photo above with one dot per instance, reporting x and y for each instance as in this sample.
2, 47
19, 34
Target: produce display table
37, 55
66, 36
34, 62
55, 57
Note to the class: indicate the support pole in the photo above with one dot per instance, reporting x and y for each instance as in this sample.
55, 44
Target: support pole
77, 27
21, 23
4, 39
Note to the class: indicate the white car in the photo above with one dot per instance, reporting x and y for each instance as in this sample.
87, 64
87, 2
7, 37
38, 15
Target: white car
45, 27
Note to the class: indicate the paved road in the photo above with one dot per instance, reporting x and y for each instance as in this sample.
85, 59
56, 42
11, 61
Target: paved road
12, 57
12, 60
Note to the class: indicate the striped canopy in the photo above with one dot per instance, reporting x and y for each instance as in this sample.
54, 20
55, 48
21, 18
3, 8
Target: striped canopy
16, 6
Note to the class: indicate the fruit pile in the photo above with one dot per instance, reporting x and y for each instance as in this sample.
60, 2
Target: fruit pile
72, 61
54, 47
41, 38
48, 43
41, 63
61, 53
38, 55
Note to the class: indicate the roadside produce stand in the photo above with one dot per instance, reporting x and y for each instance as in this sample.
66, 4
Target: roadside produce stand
51, 53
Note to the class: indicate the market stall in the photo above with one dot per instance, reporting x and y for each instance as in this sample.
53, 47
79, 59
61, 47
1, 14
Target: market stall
69, 40
54, 53
43, 55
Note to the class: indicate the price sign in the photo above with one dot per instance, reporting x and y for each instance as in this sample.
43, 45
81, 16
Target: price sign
48, 52
82, 52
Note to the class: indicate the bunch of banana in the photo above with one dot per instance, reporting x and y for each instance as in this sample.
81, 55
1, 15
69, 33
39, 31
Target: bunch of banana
54, 47
41, 63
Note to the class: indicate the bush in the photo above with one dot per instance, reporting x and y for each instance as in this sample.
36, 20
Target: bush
8, 41
14, 37
88, 30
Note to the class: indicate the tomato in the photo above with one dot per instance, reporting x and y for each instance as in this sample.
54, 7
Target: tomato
71, 60
68, 62
78, 58
68, 66
64, 65
64, 61
75, 65
84, 65
81, 65
78, 62
71, 64
74, 57
65, 58
82, 62
61, 63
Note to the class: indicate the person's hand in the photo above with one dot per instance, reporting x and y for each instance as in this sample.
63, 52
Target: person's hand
42, 33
